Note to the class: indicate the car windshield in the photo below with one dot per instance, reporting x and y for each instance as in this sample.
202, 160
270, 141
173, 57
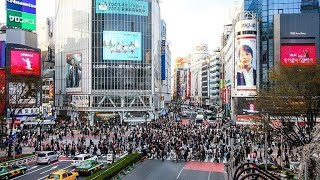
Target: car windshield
54, 176
85, 164
41, 155
77, 158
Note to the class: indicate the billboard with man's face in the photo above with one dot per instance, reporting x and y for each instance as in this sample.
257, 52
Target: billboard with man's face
73, 72
122, 45
298, 54
246, 58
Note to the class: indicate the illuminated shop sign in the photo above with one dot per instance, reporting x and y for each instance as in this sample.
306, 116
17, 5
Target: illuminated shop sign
130, 7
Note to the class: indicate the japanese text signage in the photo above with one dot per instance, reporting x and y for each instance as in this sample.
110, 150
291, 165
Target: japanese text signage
130, 7
21, 20
27, 6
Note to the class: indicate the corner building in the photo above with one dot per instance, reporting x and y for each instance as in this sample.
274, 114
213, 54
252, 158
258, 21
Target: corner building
108, 60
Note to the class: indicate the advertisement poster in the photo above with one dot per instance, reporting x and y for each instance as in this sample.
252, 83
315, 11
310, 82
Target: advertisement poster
22, 94
2, 54
27, 6
2, 91
21, 20
298, 54
122, 45
246, 66
25, 62
74, 69
130, 7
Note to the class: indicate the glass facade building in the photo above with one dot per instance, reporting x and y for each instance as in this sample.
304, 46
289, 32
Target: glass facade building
108, 54
265, 10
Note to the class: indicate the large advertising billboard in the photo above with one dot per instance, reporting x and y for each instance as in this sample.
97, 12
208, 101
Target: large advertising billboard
28, 6
21, 20
298, 54
122, 45
130, 7
25, 62
2, 54
246, 56
74, 69
246, 110
2, 91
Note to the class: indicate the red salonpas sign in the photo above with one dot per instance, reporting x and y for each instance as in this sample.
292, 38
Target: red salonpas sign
298, 54
25, 62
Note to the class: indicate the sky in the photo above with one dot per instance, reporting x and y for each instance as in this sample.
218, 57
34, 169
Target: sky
188, 21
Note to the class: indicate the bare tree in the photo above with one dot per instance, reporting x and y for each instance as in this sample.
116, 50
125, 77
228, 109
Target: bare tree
292, 101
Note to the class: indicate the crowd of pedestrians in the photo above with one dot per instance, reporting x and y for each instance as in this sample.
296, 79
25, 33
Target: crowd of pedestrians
163, 139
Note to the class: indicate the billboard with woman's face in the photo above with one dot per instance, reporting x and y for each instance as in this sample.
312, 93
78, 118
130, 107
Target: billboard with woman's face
73, 72
246, 58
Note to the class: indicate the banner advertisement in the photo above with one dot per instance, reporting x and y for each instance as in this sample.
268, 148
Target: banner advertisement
24, 62
163, 60
246, 57
2, 54
298, 54
80, 100
21, 20
22, 94
130, 7
2, 91
27, 6
74, 69
122, 45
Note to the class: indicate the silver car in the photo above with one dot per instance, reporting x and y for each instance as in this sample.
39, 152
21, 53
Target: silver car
46, 157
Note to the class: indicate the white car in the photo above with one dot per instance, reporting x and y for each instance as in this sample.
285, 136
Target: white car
76, 161
110, 158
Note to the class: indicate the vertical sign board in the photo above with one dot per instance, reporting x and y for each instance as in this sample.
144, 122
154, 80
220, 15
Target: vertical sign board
2, 54
246, 58
163, 60
21, 14
2, 91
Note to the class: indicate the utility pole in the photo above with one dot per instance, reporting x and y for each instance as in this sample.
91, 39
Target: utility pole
265, 142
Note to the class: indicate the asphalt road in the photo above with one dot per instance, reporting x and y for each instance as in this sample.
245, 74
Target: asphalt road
40, 172
157, 169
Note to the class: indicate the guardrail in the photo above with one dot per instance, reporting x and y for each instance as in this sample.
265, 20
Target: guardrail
23, 161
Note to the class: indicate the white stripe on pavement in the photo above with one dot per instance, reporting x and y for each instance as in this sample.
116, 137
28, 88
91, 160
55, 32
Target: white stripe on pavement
33, 171
180, 173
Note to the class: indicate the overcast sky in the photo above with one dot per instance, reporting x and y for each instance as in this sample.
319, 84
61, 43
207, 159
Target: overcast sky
188, 21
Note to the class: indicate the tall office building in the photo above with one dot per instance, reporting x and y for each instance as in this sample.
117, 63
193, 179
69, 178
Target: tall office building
108, 59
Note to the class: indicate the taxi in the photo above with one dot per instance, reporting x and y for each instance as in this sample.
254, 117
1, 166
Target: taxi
63, 175
9, 171
89, 167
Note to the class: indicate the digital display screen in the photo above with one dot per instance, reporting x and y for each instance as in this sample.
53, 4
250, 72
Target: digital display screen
122, 45
130, 7
298, 54
25, 62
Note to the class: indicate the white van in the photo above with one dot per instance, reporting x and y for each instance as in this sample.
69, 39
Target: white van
199, 119
46, 157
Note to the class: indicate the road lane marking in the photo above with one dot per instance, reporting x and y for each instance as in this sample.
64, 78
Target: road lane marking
33, 167
180, 173
63, 168
52, 168
34, 171
209, 175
